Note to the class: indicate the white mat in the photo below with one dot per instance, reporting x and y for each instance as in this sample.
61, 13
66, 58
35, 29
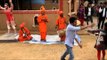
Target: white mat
7, 36
51, 39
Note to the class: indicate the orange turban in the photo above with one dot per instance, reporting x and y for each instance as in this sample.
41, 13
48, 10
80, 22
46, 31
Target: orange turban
42, 8
60, 12
22, 25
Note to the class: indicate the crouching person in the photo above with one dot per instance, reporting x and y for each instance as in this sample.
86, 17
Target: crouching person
24, 33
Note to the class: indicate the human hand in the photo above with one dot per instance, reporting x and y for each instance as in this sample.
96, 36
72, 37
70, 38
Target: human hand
44, 19
80, 45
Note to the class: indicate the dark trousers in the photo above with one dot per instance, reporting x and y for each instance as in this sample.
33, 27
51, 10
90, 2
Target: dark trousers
101, 22
89, 18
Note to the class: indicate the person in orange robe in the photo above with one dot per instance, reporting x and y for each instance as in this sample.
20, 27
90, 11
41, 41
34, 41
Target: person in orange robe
61, 24
24, 33
42, 20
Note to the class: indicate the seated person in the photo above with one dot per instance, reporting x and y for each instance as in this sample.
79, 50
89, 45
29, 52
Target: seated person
24, 33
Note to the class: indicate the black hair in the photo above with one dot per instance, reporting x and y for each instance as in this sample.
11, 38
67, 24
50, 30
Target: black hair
72, 19
101, 2
6, 4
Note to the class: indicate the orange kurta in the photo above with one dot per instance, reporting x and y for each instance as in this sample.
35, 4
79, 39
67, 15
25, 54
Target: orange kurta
61, 23
42, 19
28, 35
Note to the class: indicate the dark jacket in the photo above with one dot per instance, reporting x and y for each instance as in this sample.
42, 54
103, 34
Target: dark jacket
100, 14
87, 10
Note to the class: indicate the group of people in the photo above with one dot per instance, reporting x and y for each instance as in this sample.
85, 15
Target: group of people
42, 19
24, 33
85, 13
61, 25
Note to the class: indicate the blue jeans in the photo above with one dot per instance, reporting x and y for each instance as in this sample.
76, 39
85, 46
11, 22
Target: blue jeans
68, 51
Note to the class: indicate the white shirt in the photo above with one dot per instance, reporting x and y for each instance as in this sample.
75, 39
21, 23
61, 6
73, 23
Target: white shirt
78, 38
100, 10
89, 11
104, 11
70, 34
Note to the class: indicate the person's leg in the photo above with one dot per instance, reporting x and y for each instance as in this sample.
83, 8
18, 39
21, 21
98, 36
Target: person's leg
98, 54
21, 39
103, 53
8, 26
71, 54
103, 20
65, 54
13, 26
87, 20
29, 37
81, 20
99, 23
69, 50
91, 19
43, 36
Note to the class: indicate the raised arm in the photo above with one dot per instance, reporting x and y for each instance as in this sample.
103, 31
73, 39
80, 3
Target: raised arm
11, 4
2, 8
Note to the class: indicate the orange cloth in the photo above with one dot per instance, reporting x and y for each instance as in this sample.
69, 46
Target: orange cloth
22, 25
60, 12
42, 19
61, 23
26, 32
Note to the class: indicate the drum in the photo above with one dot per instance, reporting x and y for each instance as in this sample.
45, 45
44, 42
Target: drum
61, 32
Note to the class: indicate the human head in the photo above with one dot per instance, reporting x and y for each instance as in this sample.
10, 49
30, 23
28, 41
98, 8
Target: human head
61, 14
101, 4
81, 5
89, 5
22, 25
72, 20
6, 5
42, 9
43, 12
104, 4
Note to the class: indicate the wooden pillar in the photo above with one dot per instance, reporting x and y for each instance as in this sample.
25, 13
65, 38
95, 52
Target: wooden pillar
69, 9
61, 5
76, 5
